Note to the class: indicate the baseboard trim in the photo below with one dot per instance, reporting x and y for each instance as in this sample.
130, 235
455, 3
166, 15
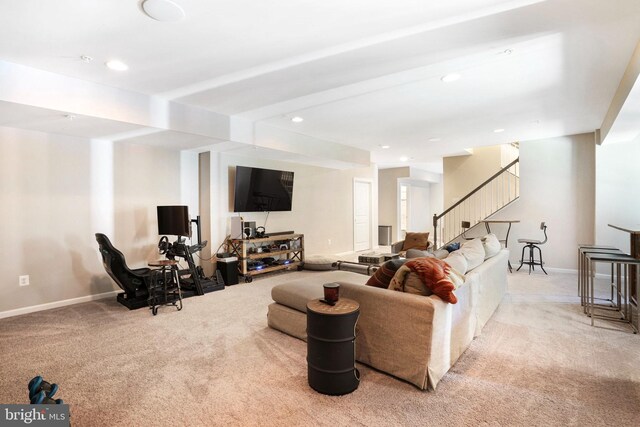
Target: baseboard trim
561, 270
56, 304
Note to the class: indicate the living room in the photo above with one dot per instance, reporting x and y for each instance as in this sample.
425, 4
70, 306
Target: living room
90, 150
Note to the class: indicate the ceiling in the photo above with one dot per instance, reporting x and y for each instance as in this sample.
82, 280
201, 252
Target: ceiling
361, 73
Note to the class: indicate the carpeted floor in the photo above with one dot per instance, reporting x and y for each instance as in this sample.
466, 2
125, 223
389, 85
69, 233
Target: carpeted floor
537, 363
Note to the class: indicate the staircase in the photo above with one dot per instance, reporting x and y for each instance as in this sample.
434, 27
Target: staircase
490, 197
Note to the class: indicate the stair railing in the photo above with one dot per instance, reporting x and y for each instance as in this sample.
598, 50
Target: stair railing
502, 189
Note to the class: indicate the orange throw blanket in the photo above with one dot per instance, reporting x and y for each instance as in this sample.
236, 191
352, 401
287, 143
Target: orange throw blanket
434, 273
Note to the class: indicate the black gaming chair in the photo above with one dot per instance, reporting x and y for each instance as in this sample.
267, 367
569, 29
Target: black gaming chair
134, 283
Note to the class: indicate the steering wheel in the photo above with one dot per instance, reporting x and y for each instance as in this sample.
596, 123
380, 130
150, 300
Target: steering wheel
163, 245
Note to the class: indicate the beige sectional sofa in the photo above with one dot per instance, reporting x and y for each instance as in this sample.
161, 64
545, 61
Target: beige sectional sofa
415, 338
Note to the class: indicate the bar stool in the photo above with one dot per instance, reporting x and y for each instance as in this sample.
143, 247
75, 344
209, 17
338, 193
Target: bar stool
532, 244
583, 272
622, 287
465, 226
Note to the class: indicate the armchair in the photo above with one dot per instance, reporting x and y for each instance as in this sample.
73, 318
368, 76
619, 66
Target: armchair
134, 283
412, 240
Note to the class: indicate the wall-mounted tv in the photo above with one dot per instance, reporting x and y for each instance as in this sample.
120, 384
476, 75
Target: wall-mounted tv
262, 190
174, 220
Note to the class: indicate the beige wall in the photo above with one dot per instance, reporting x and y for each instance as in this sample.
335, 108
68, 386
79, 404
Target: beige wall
56, 192
322, 203
464, 173
557, 185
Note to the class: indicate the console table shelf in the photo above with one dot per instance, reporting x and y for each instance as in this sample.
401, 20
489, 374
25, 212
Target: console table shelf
242, 249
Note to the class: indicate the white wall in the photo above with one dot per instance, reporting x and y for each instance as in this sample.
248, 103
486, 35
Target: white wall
425, 198
56, 192
557, 185
617, 194
322, 203
419, 209
388, 198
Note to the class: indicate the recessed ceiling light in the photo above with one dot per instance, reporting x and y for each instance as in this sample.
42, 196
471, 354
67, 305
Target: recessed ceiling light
163, 10
385, 146
297, 119
116, 65
86, 58
404, 158
498, 130
451, 77
434, 139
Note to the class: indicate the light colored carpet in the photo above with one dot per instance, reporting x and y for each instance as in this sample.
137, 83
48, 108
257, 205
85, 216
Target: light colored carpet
537, 363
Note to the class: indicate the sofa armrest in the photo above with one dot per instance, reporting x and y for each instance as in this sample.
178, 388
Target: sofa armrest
394, 331
397, 246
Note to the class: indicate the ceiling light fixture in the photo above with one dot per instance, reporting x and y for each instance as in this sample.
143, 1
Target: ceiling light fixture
508, 51
86, 58
498, 130
69, 117
163, 10
385, 146
434, 139
297, 119
450, 77
116, 65
404, 158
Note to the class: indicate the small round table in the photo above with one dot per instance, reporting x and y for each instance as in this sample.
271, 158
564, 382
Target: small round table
163, 293
331, 340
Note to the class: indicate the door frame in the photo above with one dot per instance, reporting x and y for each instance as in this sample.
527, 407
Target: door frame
353, 212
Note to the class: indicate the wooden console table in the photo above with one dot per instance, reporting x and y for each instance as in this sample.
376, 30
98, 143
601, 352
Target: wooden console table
241, 248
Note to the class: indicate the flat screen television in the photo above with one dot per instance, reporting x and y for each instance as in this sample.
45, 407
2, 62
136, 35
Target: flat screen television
262, 190
174, 220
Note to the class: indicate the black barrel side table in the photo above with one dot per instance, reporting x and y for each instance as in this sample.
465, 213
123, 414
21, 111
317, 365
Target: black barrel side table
331, 340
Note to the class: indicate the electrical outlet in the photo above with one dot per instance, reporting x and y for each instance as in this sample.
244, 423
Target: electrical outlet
23, 280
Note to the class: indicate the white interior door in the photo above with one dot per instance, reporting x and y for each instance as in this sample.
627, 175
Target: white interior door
361, 215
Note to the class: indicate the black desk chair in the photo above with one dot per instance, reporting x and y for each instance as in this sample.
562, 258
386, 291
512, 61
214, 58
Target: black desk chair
135, 283
532, 245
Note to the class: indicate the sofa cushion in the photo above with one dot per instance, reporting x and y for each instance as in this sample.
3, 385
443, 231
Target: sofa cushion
473, 251
433, 279
409, 282
441, 253
417, 253
416, 241
385, 273
296, 294
491, 245
319, 263
457, 261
